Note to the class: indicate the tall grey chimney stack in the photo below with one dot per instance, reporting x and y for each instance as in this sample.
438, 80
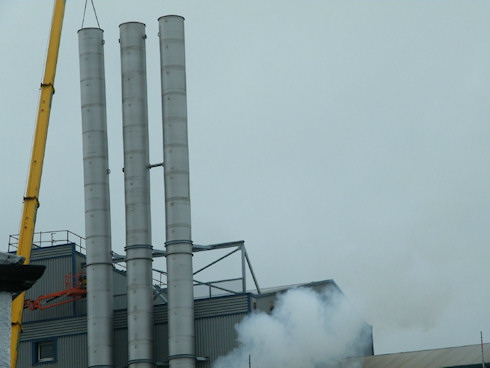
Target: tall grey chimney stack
97, 205
137, 195
177, 197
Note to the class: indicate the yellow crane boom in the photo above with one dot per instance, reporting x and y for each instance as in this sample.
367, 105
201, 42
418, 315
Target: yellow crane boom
31, 199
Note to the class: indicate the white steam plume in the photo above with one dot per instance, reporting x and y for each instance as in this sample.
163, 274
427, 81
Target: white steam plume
305, 330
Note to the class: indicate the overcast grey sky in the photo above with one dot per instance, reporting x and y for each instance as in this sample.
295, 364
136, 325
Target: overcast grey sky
341, 139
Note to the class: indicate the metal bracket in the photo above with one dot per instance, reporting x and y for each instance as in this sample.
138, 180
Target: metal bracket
31, 199
151, 166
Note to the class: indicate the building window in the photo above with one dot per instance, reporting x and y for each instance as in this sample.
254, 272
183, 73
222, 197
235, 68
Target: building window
44, 351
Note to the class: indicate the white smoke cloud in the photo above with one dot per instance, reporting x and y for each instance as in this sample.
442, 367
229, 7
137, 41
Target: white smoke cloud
305, 330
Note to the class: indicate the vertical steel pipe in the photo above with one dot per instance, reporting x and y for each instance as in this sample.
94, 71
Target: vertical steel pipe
97, 206
137, 195
177, 197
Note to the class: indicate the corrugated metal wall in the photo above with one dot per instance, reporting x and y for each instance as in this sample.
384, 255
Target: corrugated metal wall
59, 261
53, 281
216, 336
215, 321
215, 318
161, 343
71, 351
222, 305
121, 347
53, 252
54, 327
119, 290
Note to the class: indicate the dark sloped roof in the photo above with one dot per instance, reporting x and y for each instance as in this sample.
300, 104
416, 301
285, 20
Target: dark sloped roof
15, 278
461, 356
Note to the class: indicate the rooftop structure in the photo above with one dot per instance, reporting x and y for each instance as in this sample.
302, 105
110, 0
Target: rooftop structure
57, 335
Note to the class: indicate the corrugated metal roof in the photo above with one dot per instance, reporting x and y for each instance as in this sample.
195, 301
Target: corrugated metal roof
460, 356
316, 285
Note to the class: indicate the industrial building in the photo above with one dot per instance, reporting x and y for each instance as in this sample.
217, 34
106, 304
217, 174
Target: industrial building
86, 311
55, 322
96, 308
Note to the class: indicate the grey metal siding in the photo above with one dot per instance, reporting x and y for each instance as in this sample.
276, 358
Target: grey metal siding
120, 319
222, 305
56, 327
53, 280
161, 343
120, 290
121, 347
215, 321
52, 252
215, 318
205, 308
160, 314
216, 337
59, 261
71, 351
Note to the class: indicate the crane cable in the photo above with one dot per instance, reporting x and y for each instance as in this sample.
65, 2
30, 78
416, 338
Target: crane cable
95, 12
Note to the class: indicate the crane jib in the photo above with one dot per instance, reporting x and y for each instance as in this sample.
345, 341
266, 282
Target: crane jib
31, 201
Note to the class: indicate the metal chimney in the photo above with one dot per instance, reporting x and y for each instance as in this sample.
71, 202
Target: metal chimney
97, 206
137, 195
177, 197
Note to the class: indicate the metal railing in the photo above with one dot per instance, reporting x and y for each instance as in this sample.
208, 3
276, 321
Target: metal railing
49, 239
202, 289
208, 289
